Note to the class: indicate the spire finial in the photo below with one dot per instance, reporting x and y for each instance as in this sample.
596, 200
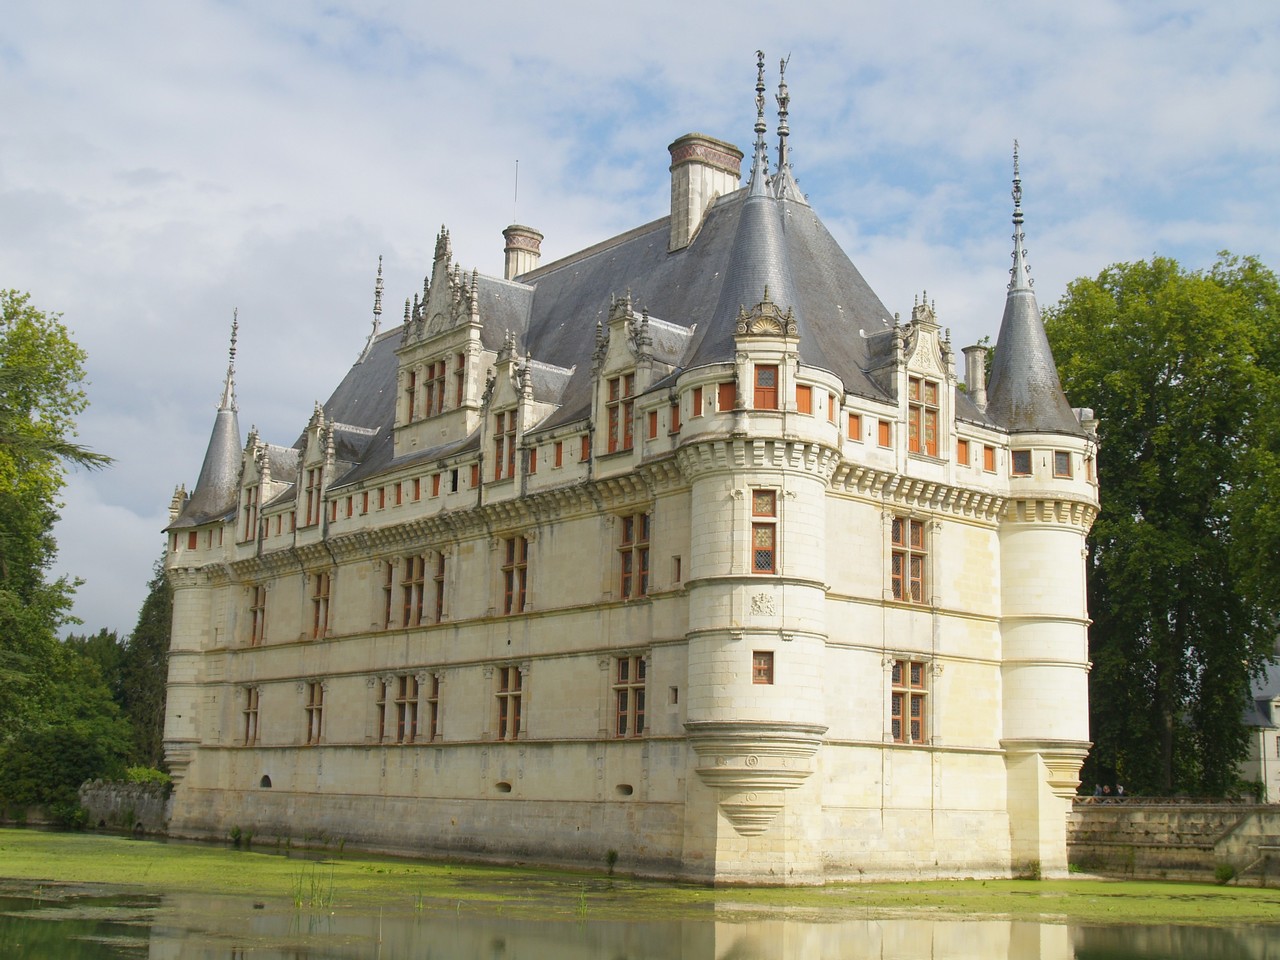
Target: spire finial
377, 293
1019, 273
229, 385
784, 100
760, 162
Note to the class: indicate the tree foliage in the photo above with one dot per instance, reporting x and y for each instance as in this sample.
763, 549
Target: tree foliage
1182, 369
58, 722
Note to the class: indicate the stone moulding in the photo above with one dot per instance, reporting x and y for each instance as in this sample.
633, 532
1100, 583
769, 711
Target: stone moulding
1062, 758
751, 762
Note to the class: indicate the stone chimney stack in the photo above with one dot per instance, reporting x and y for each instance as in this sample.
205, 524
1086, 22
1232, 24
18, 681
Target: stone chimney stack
523, 250
702, 168
975, 375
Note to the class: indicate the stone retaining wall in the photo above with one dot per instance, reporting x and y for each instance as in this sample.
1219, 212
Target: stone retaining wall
1176, 841
131, 807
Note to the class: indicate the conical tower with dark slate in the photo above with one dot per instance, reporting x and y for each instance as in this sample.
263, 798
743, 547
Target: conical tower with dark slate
215, 492
1025, 395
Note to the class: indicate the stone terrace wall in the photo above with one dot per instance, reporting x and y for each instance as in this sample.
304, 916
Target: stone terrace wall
131, 807
1177, 841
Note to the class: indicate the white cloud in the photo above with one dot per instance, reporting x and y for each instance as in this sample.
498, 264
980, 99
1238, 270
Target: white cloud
163, 163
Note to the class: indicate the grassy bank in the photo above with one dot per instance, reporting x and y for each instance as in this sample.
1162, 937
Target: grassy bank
52, 861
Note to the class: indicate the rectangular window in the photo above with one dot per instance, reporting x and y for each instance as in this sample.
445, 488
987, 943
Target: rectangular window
677, 569
438, 583
435, 388
1021, 463
250, 716
766, 397
313, 497
727, 396
509, 693
651, 419
412, 588
350, 506
250, 514
633, 553
258, 615
459, 378
989, 459
433, 708
435, 484
922, 416
884, 432
193, 540
388, 595
695, 409
406, 708
333, 511
907, 701
1061, 463
764, 531
831, 407
762, 666
515, 571
320, 584
621, 411
410, 396
399, 489
804, 398
533, 460
475, 475
628, 696
559, 453
453, 480
584, 454
504, 445
382, 498
675, 417
417, 488
315, 710
962, 452
855, 427
907, 560
364, 502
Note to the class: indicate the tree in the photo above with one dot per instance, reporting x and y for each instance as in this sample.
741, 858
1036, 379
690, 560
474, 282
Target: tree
1182, 370
55, 711
145, 670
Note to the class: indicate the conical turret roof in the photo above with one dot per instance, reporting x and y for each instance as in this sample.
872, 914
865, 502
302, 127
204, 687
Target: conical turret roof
1025, 395
216, 491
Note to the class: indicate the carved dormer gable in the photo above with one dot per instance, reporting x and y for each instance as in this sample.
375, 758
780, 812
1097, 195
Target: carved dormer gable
766, 319
925, 382
926, 349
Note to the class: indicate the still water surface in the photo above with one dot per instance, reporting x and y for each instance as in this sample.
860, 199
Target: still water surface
187, 927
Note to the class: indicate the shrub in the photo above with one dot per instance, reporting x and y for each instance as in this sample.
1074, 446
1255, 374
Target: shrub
147, 775
1224, 873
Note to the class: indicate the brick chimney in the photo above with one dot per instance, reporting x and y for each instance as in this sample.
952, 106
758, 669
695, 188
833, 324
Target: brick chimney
523, 250
702, 168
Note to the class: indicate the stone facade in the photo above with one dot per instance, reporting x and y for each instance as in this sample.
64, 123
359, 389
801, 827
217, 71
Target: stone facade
689, 551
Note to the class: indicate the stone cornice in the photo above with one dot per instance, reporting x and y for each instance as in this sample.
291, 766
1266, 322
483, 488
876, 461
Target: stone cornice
728, 454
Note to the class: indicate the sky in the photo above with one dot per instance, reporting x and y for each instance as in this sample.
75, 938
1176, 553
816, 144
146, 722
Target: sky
165, 162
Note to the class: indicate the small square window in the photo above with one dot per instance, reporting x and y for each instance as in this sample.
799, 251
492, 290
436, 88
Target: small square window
1061, 463
762, 666
1021, 463
962, 452
989, 459
855, 427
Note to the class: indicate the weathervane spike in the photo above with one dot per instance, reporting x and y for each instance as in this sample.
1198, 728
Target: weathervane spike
784, 101
1019, 273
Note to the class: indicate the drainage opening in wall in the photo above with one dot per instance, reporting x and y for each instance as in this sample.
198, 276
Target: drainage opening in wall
503, 786
624, 789
265, 782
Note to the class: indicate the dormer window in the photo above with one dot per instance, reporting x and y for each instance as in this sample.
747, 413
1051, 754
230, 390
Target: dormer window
766, 397
922, 416
621, 407
313, 497
504, 445
435, 388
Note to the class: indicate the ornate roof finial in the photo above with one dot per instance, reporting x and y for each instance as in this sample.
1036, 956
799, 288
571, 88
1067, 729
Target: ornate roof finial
377, 313
229, 385
760, 162
784, 100
1019, 273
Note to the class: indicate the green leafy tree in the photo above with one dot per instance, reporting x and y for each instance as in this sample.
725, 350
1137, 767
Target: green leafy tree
145, 670
1181, 368
54, 707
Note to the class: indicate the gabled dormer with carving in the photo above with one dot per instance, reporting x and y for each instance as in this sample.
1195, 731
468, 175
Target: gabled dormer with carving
766, 341
440, 382
504, 409
926, 383
313, 471
622, 368
251, 496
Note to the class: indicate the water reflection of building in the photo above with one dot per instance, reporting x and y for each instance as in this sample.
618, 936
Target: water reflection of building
682, 546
